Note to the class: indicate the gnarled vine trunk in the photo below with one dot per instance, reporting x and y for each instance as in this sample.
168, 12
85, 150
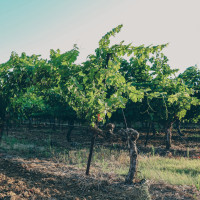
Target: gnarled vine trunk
90, 155
153, 129
69, 133
95, 131
178, 127
132, 138
168, 132
133, 163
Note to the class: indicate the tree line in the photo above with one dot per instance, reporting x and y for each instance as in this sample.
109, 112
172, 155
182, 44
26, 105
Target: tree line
117, 81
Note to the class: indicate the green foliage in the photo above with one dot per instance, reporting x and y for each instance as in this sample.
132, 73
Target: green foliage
166, 97
16, 76
144, 86
191, 77
28, 104
97, 86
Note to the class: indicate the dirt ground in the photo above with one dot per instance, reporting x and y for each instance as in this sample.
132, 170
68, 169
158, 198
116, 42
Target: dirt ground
180, 145
22, 179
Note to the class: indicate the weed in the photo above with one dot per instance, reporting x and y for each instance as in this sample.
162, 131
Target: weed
198, 183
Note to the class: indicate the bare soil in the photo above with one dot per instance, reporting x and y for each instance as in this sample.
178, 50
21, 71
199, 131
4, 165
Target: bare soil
38, 178
22, 179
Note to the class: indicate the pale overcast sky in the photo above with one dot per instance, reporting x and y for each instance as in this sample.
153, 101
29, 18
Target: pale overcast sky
36, 26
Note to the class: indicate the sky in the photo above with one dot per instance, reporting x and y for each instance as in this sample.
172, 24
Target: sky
36, 26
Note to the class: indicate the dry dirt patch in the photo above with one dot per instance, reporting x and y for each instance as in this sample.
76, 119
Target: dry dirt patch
43, 179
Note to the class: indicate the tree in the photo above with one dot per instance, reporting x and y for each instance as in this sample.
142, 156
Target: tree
166, 99
171, 97
97, 87
15, 77
191, 77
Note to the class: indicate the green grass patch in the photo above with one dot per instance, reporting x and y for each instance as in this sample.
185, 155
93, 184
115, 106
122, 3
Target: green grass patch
182, 171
